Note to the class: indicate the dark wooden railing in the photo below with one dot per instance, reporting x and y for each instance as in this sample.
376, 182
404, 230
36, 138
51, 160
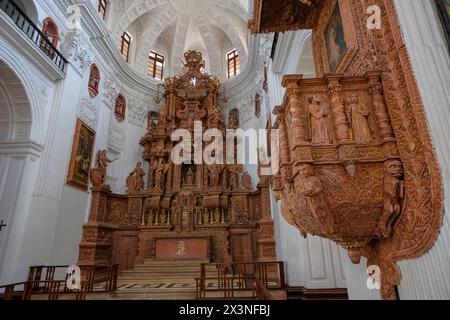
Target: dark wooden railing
94, 279
24, 23
259, 278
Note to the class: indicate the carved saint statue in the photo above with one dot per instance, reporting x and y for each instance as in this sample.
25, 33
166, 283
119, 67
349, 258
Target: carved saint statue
234, 176
135, 181
318, 125
358, 117
160, 174
190, 177
233, 119
247, 181
312, 197
214, 172
394, 193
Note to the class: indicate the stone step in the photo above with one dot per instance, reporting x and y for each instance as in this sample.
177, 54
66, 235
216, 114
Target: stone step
153, 262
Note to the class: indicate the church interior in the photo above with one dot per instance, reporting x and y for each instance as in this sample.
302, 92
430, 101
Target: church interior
128, 130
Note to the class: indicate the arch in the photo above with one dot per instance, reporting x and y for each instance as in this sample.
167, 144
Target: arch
36, 89
51, 30
15, 108
120, 107
94, 81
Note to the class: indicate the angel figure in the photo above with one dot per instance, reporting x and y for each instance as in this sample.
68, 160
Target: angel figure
102, 163
318, 123
312, 198
358, 117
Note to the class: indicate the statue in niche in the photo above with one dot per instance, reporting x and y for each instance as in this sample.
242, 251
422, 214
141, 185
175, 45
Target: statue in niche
247, 181
233, 119
160, 174
135, 181
190, 179
214, 172
394, 194
358, 118
312, 197
234, 176
318, 123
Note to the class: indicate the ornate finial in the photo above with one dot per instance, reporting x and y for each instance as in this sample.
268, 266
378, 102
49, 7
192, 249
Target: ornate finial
194, 60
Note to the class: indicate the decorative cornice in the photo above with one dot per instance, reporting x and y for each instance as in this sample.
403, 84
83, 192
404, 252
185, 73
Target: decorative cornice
21, 148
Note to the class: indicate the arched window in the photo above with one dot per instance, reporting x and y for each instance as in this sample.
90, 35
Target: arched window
94, 81
234, 63
120, 108
102, 6
125, 44
51, 31
156, 65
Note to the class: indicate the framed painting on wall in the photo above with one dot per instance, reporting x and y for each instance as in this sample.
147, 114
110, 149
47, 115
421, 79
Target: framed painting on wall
443, 7
81, 157
335, 39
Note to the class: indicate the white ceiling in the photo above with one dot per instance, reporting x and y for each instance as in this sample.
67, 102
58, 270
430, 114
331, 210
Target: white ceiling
175, 26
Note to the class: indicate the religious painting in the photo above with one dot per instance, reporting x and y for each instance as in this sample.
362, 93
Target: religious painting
81, 157
444, 12
335, 39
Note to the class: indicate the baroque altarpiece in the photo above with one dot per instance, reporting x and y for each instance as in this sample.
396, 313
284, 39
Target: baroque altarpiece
184, 211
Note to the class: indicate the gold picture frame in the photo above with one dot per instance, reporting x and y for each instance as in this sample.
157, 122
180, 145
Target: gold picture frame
81, 156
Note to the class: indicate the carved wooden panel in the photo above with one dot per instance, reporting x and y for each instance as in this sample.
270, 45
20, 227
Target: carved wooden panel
388, 143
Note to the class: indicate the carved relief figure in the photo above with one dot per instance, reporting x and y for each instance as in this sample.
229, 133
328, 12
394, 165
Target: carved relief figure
135, 181
313, 199
358, 117
394, 194
318, 124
